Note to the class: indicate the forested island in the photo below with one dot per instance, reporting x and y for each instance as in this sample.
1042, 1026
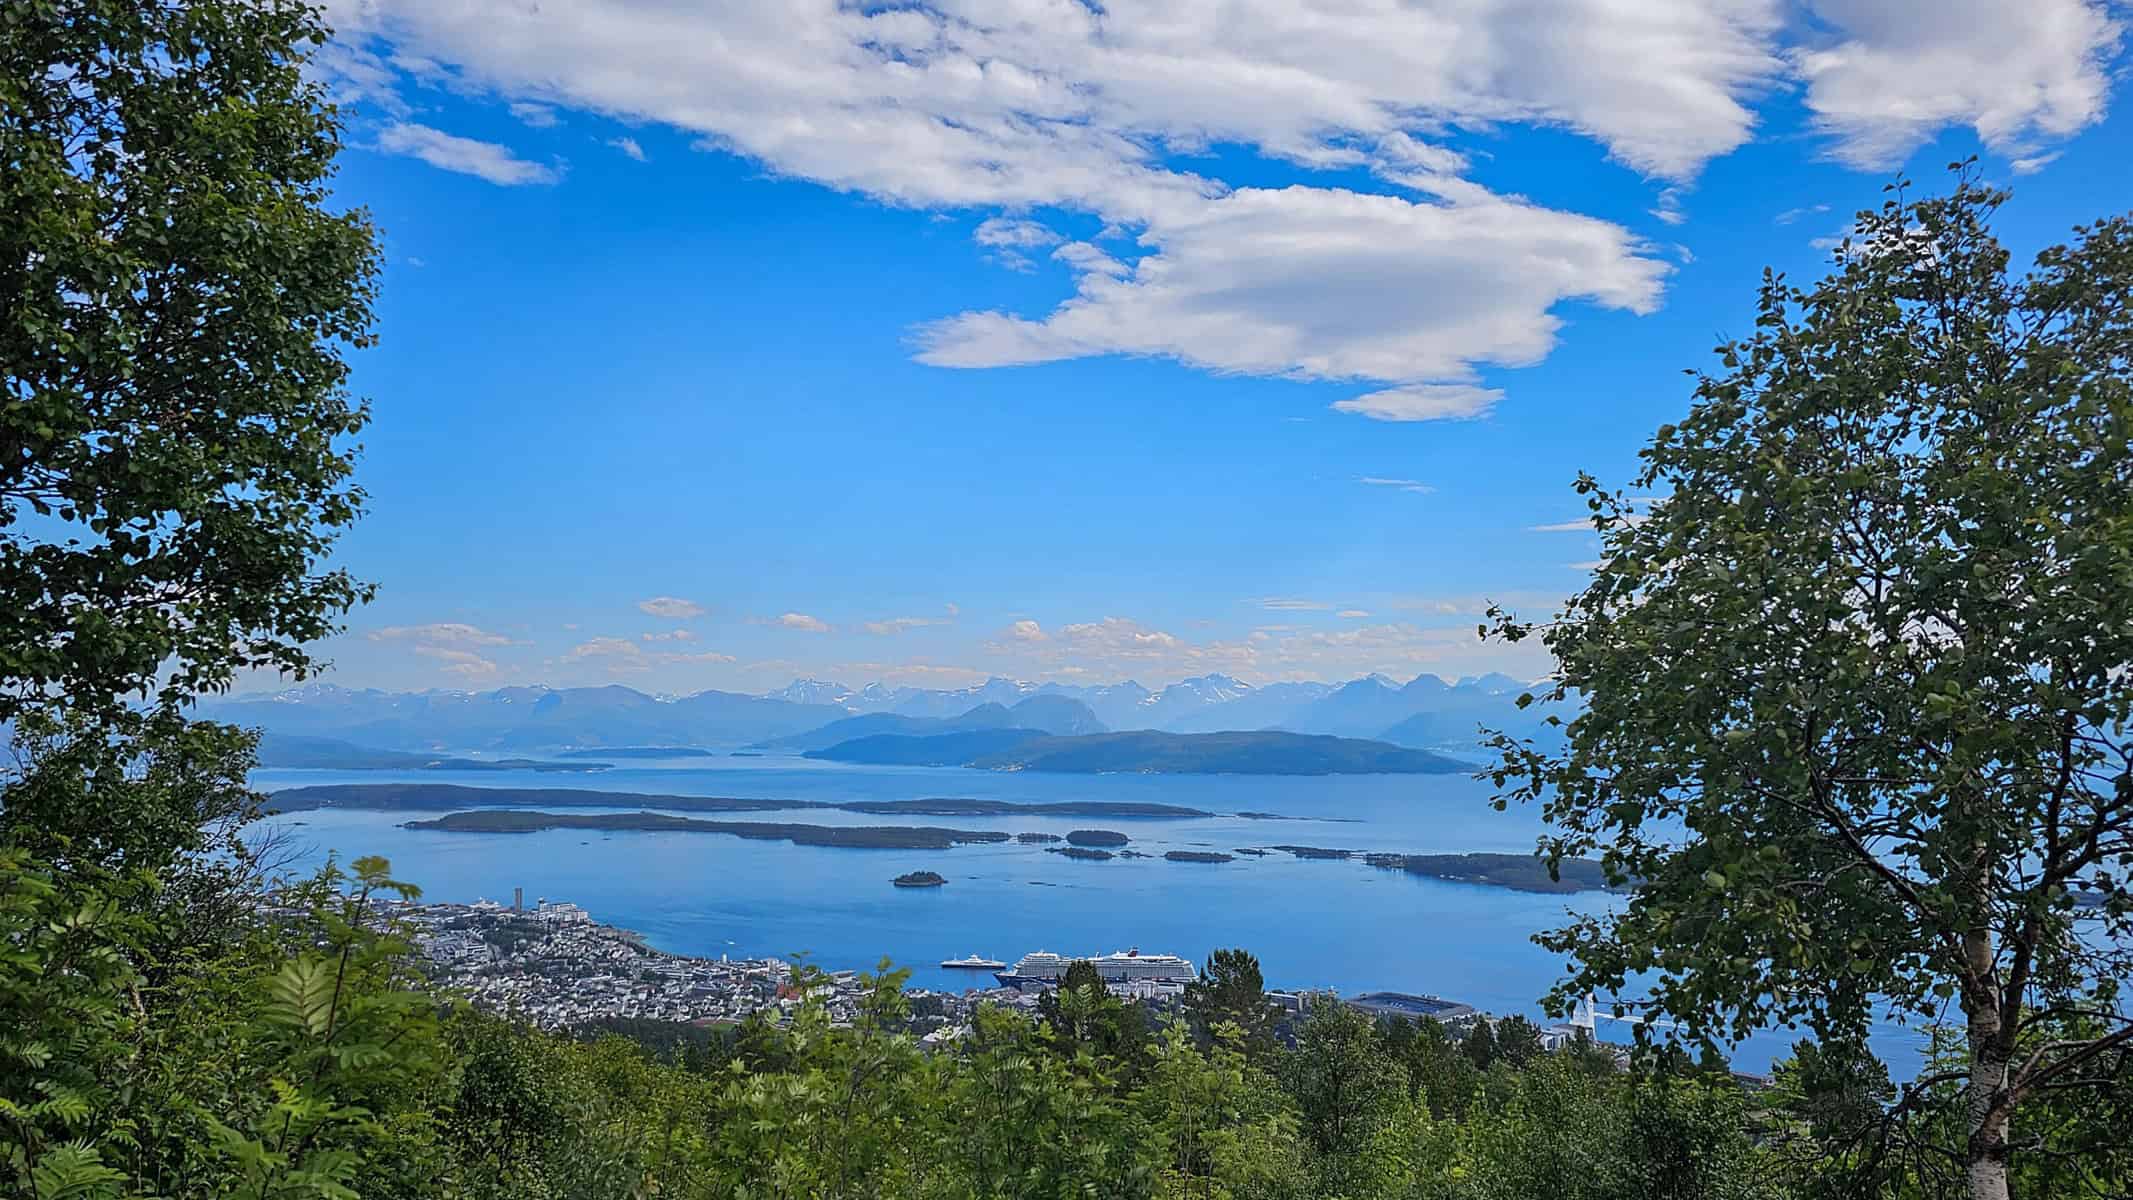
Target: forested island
919, 879
639, 752
1147, 751
1081, 852
1518, 872
1198, 856
1096, 837
863, 837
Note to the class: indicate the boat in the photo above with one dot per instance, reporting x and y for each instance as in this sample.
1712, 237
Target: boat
1044, 968
973, 963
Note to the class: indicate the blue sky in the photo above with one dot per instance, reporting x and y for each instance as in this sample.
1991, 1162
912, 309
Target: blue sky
725, 344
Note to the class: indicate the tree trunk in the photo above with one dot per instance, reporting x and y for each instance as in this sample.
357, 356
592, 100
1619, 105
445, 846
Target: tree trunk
1985, 1114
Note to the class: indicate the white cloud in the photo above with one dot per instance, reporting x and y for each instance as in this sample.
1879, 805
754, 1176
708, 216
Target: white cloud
699, 658
1424, 402
1292, 604
671, 635
605, 647
1012, 107
1029, 105
802, 622
1321, 283
539, 116
1352, 614
673, 608
1793, 214
1895, 73
1014, 232
485, 160
446, 633
1119, 647
1406, 485
464, 663
629, 147
895, 625
1027, 631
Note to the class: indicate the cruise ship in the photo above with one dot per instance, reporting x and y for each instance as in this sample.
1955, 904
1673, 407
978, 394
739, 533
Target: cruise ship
973, 963
1043, 968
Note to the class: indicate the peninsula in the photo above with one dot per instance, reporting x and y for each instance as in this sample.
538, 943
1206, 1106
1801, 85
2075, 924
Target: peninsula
865, 837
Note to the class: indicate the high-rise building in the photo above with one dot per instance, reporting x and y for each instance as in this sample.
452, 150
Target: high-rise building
518, 899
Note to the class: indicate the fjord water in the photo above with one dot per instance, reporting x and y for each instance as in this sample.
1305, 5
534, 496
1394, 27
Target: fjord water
1313, 923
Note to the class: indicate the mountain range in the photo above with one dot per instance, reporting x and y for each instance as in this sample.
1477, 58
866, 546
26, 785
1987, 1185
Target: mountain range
1426, 712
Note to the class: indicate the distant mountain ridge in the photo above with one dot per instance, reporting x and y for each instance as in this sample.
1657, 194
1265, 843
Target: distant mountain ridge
1426, 712
1146, 751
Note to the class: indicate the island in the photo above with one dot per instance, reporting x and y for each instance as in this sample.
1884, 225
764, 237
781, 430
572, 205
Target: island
1080, 853
1265, 752
444, 796
1198, 856
1518, 872
919, 879
1096, 837
864, 837
1033, 839
639, 752
1253, 851
948, 807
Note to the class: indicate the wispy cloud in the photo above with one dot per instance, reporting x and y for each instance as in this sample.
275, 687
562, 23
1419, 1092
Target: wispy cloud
672, 608
539, 116
1406, 485
464, 663
1292, 604
628, 146
450, 152
802, 622
671, 635
1793, 214
443, 633
1424, 402
1352, 614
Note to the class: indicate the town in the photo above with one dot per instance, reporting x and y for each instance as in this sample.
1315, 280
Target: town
553, 965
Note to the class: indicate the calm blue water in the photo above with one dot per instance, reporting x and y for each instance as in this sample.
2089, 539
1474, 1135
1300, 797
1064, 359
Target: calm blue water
1312, 923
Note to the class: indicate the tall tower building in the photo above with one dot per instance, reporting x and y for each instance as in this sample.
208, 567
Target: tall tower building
518, 899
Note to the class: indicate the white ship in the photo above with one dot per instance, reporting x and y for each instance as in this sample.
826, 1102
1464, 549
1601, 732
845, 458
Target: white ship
973, 963
1044, 968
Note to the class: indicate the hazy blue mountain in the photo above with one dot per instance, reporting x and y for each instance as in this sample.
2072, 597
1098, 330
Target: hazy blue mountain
1261, 708
1424, 712
296, 750
1045, 714
1257, 753
1055, 714
1361, 708
937, 750
1238, 753
520, 717
931, 702
1117, 705
812, 691
1186, 698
